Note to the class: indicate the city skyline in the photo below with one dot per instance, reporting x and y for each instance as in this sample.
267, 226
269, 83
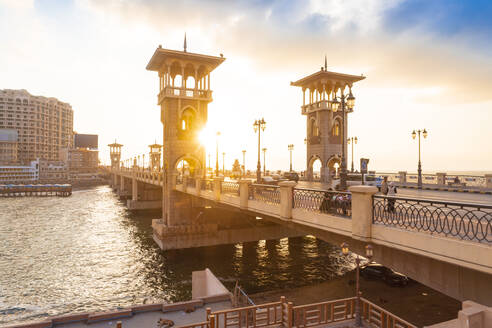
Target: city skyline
99, 69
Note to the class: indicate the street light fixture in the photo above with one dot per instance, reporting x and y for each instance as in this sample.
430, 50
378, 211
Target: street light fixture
352, 140
419, 170
346, 102
217, 154
369, 254
264, 160
258, 126
291, 148
223, 163
244, 163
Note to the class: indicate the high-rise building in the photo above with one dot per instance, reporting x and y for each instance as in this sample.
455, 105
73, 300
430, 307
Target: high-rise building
8, 146
44, 125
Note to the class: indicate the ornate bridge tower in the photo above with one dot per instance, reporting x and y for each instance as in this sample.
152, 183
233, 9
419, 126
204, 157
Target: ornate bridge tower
155, 157
184, 94
115, 154
326, 128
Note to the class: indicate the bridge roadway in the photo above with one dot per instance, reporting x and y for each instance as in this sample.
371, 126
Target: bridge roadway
459, 268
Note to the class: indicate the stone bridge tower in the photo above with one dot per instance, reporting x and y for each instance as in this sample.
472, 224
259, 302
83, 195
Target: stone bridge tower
115, 154
184, 94
155, 157
326, 130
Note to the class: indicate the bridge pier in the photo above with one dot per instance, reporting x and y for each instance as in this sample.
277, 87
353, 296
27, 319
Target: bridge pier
144, 196
123, 191
217, 226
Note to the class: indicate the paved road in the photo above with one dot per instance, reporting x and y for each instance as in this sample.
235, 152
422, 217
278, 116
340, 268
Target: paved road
424, 194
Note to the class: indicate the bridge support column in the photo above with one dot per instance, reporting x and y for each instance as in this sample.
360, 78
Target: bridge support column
217, 188
134, 189
286, 198
185, 183
362, 211
403, 177
488, 181
441, 178
244, 193
198, 186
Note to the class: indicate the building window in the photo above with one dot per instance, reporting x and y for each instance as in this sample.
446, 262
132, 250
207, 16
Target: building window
336, 129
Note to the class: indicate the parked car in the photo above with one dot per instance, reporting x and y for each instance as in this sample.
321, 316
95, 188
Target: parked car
268, 180
292, 176
377, 271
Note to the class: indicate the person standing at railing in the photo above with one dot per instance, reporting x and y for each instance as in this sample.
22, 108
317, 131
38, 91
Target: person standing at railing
384, 185
392, 193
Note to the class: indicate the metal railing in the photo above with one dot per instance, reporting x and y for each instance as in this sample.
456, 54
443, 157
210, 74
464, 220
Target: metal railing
265, 193
240, 298
190, 182
179, 180
230, 187
464, 180
464, 221
321, 201
207, 184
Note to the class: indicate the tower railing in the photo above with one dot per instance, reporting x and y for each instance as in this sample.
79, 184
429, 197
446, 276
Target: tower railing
184, 92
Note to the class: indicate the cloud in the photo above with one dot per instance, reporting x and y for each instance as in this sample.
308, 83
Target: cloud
296, 34
18, 4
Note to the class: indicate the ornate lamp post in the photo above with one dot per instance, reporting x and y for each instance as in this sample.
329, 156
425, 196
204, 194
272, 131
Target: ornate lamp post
352, 140
217, 154
346, 102
369, 253
223, 163
258, 126
244, 163
419, 170
291, 148
264, 160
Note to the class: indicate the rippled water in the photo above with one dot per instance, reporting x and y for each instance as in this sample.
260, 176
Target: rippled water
88, 253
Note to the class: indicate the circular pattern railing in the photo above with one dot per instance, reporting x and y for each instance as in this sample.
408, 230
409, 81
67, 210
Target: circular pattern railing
230, 187
264, 193
464, 221
321, 201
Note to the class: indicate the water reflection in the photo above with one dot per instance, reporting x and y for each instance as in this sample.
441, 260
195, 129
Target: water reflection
88, 253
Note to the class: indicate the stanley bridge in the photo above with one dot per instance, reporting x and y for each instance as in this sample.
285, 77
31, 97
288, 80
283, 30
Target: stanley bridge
444, 245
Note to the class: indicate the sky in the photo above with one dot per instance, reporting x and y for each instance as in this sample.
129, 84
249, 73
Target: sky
428, 64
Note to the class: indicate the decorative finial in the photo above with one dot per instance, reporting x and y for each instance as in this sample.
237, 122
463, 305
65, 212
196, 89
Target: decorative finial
185, 43
326, 64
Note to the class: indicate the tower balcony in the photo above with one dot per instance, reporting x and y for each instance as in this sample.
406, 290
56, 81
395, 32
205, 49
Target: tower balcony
319, 105
176, 92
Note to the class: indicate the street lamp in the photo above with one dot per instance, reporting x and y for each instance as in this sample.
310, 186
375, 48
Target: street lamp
244, 163
419, 170
264, 160
369, 253
217, 154
346, 102
291, 148
258, 126
209, 166
354, 141
223, 163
